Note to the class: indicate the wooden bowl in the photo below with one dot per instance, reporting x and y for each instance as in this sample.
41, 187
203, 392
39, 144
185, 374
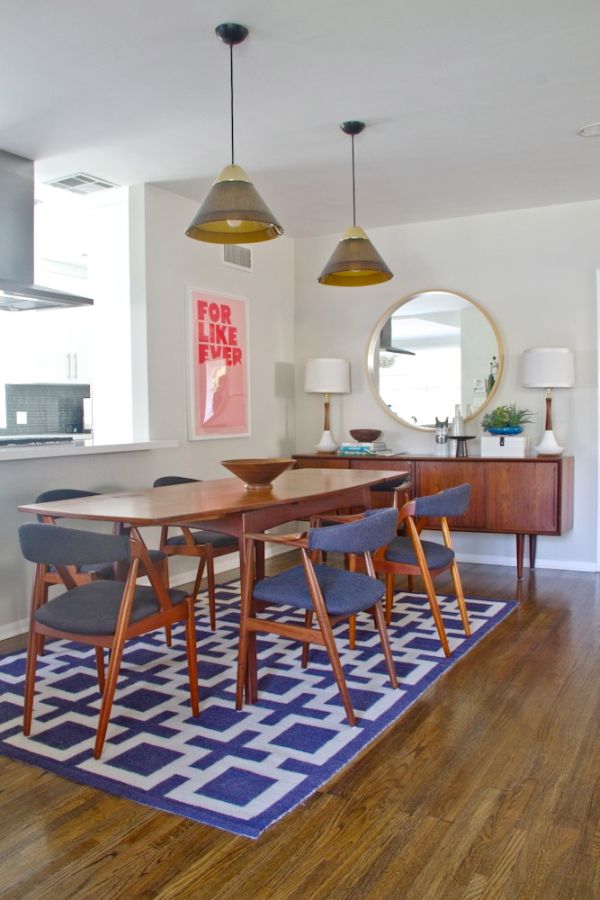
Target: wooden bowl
365, 435
257, 473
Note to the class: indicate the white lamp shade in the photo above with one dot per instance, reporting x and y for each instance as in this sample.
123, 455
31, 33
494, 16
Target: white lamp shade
327, 376
548, 367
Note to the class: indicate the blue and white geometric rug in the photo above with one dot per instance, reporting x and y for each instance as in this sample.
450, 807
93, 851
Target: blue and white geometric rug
240, 771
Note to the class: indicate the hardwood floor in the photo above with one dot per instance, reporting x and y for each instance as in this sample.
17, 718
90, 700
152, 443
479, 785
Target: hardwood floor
489, 787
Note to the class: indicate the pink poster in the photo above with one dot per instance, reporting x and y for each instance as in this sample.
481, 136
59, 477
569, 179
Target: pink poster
219, 395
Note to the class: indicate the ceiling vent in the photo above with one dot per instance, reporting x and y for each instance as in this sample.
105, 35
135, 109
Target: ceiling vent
82, 183
238, 257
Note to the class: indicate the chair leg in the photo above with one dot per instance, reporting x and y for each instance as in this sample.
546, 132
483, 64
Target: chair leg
244, 648
108, 694
350, 565
210, 575
163, 573
352, 632
460, 598
435, 609
100, 668
308, 618
410, 583
192, 655
33, 649
385, 643
336, 665
389, 596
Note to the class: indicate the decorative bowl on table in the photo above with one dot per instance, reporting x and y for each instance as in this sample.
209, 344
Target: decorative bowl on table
257, 473
365, 435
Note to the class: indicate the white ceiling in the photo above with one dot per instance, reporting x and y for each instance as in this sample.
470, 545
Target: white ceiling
471, 105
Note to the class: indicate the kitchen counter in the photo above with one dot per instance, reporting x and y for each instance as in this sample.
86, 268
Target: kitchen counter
78, 447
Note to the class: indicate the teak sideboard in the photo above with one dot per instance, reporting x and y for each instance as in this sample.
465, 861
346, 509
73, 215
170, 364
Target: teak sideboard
528, 496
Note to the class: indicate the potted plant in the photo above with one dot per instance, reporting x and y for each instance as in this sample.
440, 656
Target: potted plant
506, 420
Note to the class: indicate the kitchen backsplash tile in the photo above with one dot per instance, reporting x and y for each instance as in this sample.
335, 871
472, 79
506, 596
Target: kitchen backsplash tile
50, 408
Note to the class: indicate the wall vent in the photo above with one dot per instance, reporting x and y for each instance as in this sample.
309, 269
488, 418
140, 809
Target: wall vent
82, 183
239, 257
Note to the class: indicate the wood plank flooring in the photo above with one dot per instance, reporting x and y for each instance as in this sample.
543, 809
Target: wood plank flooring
489, 787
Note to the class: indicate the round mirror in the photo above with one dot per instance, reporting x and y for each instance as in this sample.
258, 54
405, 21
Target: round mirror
432, 351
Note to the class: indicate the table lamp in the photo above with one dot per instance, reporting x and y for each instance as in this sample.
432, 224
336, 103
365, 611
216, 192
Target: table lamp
548, 367
327, 376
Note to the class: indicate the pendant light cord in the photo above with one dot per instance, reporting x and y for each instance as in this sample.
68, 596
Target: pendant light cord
231, 94
353, 187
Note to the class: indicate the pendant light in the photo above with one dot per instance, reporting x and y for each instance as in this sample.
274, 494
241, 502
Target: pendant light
233, 212
355, 261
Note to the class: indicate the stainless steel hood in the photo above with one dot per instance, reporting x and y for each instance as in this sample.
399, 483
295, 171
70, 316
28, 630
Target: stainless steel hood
17, 291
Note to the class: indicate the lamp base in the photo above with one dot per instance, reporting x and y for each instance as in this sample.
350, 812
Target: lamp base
548, 445
327, 444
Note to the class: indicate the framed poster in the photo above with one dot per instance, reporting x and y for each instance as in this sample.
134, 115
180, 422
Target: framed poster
219, 389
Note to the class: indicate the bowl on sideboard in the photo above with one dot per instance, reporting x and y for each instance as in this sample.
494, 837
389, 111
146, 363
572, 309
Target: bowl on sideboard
365, 435
257, 473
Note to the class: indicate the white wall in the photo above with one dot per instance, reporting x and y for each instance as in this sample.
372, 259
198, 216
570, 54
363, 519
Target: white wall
171, 261
534, 272
174, 261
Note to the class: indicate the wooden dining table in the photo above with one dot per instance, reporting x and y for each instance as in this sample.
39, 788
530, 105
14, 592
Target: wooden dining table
224, 504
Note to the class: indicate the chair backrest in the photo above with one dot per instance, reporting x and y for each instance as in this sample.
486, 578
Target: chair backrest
367, 534
54, 546
166, 480
451, 502
62, 494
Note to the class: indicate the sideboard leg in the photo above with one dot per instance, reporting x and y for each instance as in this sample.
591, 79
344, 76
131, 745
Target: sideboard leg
532, 550
520, 549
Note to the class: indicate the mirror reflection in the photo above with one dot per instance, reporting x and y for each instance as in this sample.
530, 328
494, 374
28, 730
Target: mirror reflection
431, 352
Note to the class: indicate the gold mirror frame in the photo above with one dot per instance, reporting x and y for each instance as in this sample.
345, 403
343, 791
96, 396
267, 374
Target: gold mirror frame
374, 341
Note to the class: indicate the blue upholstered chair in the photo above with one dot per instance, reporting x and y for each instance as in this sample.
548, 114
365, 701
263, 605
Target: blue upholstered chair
195, 540
332, 594
92, 570
101, 613
409, 555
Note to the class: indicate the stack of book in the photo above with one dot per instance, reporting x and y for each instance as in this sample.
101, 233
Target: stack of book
359, 448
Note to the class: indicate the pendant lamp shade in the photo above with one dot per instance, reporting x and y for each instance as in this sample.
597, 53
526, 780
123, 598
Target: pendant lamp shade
355, 262
233, 211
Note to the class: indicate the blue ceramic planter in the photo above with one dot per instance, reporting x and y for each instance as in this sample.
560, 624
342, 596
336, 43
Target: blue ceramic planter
508, 429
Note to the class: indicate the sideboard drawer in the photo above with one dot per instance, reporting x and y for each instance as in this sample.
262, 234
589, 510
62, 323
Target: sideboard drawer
325, 463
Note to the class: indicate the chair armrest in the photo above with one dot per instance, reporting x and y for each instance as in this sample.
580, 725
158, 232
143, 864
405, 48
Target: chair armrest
292, 540
335, 518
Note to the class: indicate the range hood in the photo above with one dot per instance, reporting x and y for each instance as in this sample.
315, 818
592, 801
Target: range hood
17, 291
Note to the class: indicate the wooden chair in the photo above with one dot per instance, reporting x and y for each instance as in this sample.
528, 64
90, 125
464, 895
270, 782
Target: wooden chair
332, 594
410, 555
94, 570
101, 613
197, 541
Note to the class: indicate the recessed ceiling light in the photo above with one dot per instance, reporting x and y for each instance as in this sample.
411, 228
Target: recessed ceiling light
592, 130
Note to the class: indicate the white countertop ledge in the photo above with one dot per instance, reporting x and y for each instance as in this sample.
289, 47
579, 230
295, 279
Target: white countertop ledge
84, 448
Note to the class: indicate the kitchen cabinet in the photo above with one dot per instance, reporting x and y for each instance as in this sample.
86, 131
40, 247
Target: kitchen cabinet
524, 497
48, 347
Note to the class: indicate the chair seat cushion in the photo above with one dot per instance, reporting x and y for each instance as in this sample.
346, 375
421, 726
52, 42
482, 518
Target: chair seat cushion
437, 555
345, 593
93, 608
100, 570
203, 537
157, 555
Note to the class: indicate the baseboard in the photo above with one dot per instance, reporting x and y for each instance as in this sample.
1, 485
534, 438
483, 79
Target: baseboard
13, 629
566, 565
